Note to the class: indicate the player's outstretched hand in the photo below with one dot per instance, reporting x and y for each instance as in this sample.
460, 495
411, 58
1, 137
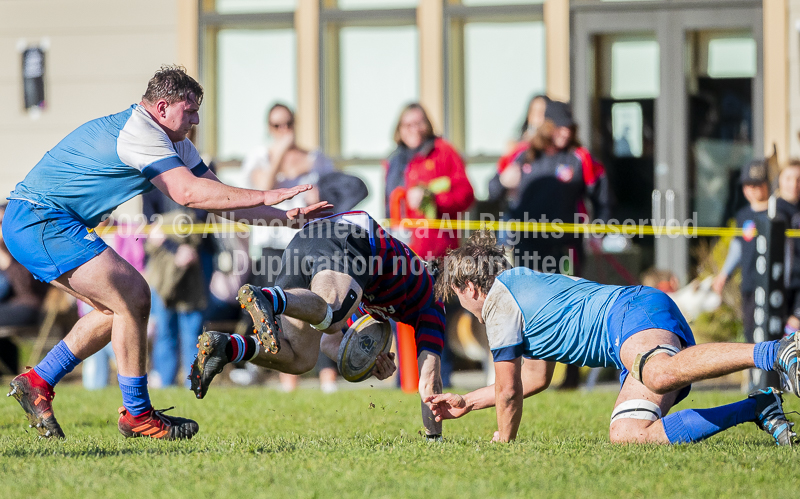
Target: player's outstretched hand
297, 217
447, 406
276, 196
384, 365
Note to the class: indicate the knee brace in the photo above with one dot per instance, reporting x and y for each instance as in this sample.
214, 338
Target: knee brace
642, 358
636, 409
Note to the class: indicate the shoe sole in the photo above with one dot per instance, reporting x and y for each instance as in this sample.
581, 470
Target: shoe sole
263, 320
38, 422
205, 349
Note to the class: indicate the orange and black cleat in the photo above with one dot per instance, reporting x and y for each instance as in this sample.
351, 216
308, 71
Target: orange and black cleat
266, 325
155, 424
36, 398
209, 362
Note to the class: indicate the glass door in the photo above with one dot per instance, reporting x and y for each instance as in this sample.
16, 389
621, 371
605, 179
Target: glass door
666, 96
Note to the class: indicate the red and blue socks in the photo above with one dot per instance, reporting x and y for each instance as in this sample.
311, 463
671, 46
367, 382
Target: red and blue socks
241, 348
58, 362
277, 297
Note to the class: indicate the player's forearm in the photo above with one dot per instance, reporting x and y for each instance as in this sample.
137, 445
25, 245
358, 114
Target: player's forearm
210, 195
430, 383
509, 411
482, 398
259, 215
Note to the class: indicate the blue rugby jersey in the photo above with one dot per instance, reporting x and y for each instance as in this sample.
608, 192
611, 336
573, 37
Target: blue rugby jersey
549, 317
104, 163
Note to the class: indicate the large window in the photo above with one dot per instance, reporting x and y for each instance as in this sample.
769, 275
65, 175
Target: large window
349, 67
250, 6
376, 4
496, 62
504, 67
379, 74
255, 69
371, 69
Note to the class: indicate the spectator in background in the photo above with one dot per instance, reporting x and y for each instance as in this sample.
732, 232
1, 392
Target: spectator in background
283, 163
742, 251
427, 174
533, 120
789, 182
789, 191
179, 287
551, 181
191, 281
21, 299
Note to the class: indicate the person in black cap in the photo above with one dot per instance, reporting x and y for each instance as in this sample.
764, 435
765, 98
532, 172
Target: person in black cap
550, 182
742, 250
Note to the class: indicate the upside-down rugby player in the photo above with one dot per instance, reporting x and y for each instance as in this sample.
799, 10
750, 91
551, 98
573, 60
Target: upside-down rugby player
332, 268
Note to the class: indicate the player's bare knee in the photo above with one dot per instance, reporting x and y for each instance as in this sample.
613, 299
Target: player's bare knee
659, 381
657, 376
138, 300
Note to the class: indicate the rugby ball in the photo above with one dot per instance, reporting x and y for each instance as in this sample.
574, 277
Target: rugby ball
360, 347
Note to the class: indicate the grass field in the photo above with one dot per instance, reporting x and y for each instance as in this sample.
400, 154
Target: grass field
365, 443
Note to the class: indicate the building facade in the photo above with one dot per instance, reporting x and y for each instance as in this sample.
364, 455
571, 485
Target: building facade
673, 95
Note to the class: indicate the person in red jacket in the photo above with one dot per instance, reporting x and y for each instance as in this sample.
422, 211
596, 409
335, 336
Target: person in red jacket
426, 175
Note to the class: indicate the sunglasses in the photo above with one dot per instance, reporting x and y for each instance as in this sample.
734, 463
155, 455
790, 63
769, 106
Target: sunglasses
278, 126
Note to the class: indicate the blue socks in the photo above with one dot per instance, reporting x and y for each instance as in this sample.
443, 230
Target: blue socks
765, 354
57, 363
60, 361
693, 425
134, 394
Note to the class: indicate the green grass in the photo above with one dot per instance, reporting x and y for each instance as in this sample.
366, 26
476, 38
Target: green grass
261, 443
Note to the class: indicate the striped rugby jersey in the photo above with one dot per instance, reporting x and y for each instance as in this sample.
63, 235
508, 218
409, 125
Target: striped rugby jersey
400, 288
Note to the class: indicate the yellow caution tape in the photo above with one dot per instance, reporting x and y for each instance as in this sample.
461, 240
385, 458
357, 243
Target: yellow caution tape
185, 229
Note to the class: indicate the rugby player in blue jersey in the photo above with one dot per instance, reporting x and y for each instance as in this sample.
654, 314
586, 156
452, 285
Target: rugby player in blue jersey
48, 227
548, 318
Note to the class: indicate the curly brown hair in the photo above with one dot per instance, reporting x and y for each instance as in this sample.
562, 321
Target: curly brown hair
172, 84
478, 261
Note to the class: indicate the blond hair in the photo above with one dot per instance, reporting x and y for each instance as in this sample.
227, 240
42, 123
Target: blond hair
479, 261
